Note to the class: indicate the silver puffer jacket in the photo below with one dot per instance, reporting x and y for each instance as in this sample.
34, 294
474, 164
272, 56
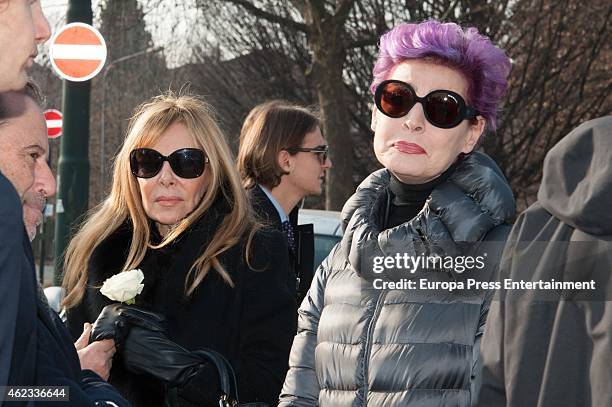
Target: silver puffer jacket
357, 345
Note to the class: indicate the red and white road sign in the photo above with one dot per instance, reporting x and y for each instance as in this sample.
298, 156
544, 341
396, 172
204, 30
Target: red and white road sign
54, 123
77, 52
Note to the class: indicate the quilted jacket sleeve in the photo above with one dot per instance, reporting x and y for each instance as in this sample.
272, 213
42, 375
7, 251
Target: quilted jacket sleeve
301, 387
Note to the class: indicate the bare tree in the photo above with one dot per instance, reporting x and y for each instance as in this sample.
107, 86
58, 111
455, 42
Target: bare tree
298, 26
560, 78
340, 37
121, 86
560, 51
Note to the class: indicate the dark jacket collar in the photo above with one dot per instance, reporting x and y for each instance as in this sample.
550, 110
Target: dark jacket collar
266, 210
263, 208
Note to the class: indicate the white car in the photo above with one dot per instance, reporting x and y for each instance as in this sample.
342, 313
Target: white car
327, 230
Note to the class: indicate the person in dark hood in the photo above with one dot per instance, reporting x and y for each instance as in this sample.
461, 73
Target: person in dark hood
363, 339
545, 349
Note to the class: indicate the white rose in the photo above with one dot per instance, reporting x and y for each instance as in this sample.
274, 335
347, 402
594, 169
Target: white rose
124, 286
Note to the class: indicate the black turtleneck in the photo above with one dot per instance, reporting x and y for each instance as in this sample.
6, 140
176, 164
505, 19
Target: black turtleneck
407, 200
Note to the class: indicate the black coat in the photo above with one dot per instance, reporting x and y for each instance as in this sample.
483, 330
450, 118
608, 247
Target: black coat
14, 290
301, 262
251, 324
36, 348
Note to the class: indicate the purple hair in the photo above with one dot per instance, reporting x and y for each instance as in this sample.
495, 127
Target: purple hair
484, 65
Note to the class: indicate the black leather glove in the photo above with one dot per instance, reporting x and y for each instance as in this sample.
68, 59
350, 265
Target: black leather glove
115, 320
150, 351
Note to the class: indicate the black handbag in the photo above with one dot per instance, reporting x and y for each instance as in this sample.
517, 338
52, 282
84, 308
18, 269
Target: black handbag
227, 380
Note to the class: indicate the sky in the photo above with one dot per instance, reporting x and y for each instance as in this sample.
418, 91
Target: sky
169, 25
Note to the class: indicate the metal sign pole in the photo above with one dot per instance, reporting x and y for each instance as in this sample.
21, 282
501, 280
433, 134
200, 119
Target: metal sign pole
73, 165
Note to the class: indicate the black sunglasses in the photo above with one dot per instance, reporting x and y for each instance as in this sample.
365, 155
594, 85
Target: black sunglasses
185, 163
442, 108
322, 152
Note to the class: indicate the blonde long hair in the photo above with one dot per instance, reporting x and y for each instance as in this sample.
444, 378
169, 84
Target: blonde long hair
147, 125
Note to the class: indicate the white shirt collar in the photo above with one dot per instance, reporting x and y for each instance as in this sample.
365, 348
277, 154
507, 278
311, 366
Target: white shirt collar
281, 212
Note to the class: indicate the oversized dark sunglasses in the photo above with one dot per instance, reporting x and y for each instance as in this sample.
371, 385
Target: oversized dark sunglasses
185, 163
321, 151
442, 108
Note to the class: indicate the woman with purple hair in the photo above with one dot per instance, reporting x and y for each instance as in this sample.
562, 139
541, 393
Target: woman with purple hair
390, 319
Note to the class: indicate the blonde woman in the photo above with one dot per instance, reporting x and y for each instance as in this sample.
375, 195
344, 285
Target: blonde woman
178, 212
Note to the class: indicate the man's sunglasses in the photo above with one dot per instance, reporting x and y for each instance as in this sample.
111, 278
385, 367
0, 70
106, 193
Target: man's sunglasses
322, 152
442, 108
185, 163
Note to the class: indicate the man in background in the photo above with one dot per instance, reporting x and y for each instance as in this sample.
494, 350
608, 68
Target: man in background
282, 159
22, 28
35, 347
41, 350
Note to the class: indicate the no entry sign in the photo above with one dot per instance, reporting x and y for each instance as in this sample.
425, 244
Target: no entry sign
77, 52
54, 123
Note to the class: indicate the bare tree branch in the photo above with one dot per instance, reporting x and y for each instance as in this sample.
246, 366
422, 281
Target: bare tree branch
273, 18
342, 10
450, 9
364, 42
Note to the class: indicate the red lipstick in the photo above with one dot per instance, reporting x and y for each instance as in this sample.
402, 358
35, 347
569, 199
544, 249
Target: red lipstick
409, 148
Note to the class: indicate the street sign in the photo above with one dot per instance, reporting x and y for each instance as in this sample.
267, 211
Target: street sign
54, 123
77, 52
